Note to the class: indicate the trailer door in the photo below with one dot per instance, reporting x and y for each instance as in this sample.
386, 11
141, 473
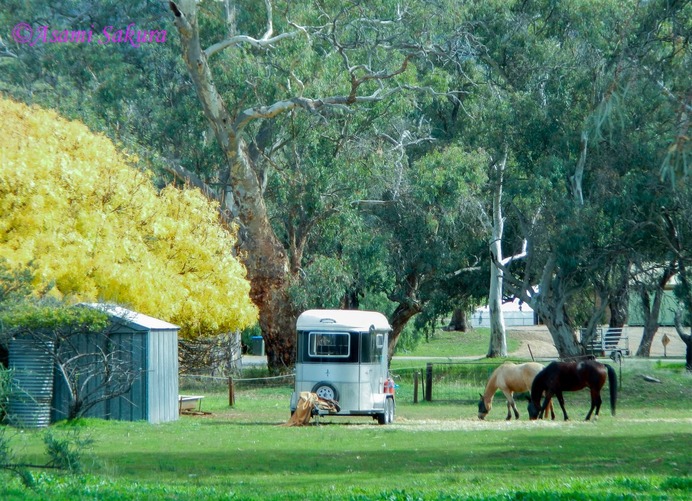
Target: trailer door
372, 376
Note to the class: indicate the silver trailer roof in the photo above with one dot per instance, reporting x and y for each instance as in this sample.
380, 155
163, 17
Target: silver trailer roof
352, 320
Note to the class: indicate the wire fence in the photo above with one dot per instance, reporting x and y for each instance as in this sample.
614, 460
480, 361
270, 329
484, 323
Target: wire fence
453, 382
217, 384
442, 381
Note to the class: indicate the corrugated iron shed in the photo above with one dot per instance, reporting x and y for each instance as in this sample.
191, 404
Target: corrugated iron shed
150, 346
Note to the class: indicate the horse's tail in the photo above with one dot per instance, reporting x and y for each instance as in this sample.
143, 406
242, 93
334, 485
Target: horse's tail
613, 385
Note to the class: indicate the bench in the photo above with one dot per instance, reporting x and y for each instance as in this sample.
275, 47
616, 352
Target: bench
613, 340
189, 403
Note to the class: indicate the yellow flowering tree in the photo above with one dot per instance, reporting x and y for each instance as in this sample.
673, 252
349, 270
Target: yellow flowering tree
96, 228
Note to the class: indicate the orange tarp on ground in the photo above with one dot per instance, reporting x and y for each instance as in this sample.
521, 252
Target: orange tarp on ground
307, 403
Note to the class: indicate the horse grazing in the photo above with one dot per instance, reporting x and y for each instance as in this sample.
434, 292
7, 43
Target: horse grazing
509, 378
572, 376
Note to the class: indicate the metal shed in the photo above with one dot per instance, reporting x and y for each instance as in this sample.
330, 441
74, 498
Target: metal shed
150, 345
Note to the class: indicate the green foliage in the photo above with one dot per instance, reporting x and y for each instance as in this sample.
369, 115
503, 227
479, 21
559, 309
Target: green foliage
5, 388
409, 339
66, 449
5, 448
323, 284
51, 319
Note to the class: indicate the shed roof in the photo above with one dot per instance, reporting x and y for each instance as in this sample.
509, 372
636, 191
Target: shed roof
133, 319
358, 320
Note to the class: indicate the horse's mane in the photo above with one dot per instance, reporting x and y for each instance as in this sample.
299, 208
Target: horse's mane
538, 386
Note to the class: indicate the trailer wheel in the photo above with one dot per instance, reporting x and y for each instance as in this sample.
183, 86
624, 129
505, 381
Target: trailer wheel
390, 409
387, 417
326, 391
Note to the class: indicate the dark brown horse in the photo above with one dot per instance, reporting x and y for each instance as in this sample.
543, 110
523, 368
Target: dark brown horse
572, 376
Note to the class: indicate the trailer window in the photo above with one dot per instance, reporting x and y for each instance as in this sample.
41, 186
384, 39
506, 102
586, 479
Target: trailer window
329, 344
371, 348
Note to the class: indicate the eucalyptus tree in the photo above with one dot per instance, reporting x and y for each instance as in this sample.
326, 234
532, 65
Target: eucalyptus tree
678, 220
323, 59
430, 217
567, 80
411, 239
651, 252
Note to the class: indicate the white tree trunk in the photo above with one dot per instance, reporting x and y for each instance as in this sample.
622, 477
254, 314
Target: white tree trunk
498, 336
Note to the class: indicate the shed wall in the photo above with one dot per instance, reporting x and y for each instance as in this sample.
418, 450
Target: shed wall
162, 376
32, 382
154, 394
132, 406
61, 392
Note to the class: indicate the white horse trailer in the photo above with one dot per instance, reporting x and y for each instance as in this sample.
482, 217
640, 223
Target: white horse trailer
342, 356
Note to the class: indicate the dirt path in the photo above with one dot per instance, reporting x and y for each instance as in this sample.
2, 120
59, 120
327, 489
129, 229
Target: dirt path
536, 340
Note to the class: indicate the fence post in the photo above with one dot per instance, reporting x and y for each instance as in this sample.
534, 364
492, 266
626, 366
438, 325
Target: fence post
415, 387
428, 381
231, 392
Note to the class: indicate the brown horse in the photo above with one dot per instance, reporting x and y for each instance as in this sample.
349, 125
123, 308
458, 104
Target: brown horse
509, 378
572, 376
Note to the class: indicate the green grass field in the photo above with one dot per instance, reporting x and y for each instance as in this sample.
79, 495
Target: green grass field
457, 344
434, 451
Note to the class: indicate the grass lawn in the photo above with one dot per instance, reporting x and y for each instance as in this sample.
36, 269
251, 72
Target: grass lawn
435, 450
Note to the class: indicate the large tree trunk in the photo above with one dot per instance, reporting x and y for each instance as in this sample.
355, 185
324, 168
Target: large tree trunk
402, 314
686, 338
549, 305
687, 300
563, 335
459, 321
263, 255
240, 189
618, 306
652, 311
409, 305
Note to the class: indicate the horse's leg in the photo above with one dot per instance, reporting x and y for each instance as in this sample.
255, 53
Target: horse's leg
513, 405
548, 406
562, 403
595, 402
546, 402
510, 404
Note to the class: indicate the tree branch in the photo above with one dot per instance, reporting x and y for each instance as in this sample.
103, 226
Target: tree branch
678, 327
312, 105
238, 39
